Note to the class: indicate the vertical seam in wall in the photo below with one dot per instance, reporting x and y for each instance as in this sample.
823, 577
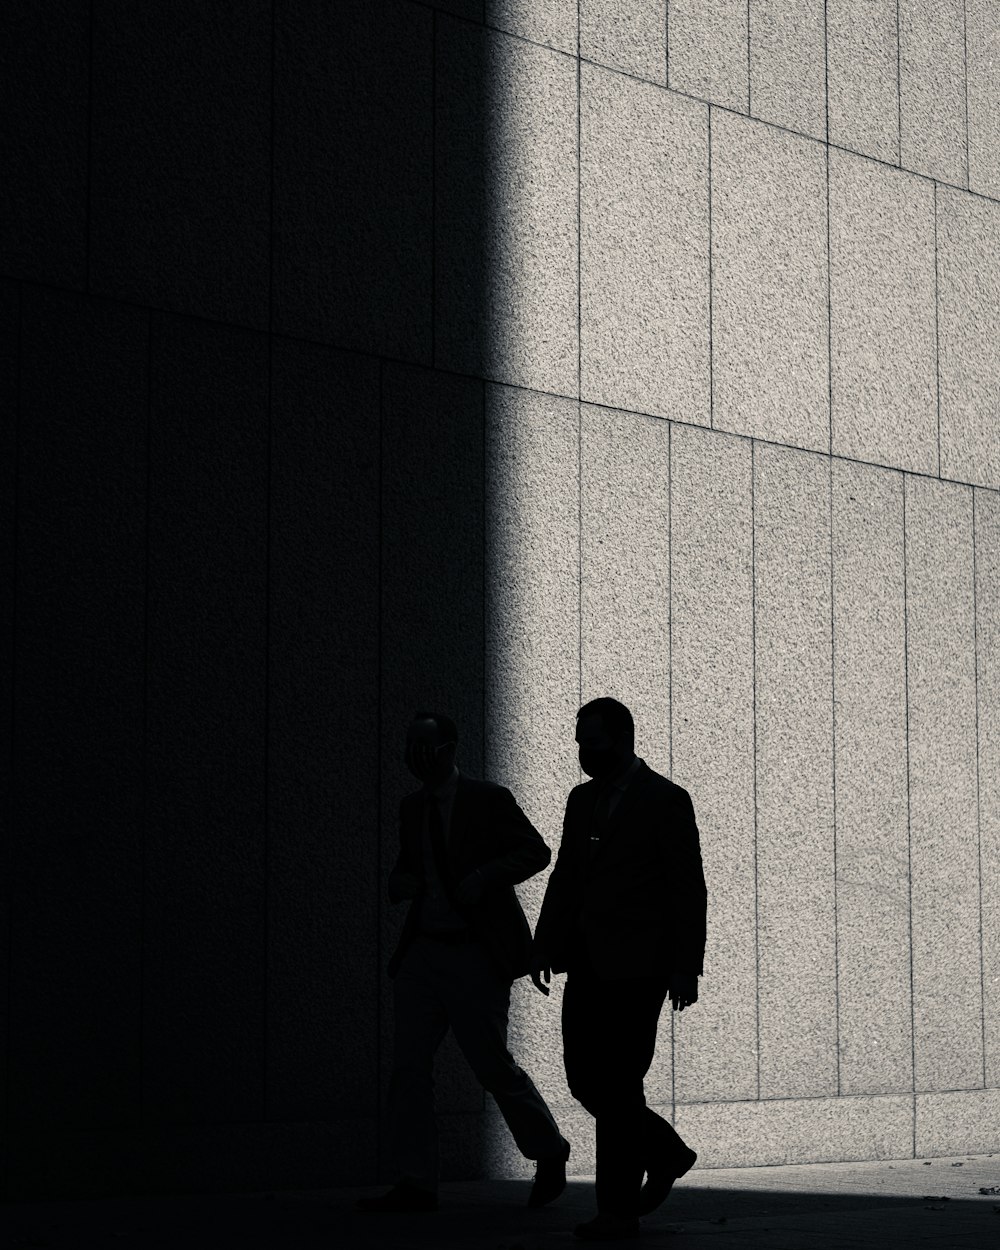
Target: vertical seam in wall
434, 43
15, 806
753, 653
670, 702
90, 143
826, 76
833, 783
829, 310
711, 310
979, 825
899, 94
749, 113
937, 336
269, 438
909, 837
379, 811
144, 794
579, 212
579, 367
965, 68
666, 43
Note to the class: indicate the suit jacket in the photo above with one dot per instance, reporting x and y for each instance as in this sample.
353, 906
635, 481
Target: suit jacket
489, 832
638, 904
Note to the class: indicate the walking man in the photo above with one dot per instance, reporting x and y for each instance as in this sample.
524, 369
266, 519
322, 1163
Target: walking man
464, 844
624, 916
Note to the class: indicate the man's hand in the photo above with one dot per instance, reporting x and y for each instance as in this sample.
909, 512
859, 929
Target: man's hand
405, 885
683, 990
541, 974
470, 889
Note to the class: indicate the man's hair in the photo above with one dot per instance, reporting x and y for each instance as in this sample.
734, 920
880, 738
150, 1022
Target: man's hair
446, 727
616, 717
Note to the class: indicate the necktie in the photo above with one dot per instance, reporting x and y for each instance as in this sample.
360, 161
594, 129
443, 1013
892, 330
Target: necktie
435, 830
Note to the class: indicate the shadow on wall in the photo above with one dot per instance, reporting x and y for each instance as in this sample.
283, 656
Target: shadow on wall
249, 542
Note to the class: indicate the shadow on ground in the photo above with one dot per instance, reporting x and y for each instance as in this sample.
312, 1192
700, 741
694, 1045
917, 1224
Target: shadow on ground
884, 1206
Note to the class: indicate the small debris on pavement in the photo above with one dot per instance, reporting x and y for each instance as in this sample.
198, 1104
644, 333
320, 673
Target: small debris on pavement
989, 1189
958, 1165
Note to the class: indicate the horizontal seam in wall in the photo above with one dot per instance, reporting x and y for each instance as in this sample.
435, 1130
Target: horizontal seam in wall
478, 377
687, 95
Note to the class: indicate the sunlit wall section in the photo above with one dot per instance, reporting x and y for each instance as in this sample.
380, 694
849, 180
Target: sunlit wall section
777, 506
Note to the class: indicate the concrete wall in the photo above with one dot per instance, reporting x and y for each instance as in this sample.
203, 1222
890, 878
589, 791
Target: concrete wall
493, 356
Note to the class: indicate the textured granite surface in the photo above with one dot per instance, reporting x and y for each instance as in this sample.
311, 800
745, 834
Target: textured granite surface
644, 248
324, 885
969, 328
532, 650
78, 779
982, 38
712, 745
180, 129
987, 555
552, 22
625, 570
794, 732
204, 848
432, 622
873, 901
862, 79
707, 50
932, 89
769, 283
44, 98
958, 1121
798, 1130
944, 856
629, 35
788, 64
505, 209
353, 175
883, 320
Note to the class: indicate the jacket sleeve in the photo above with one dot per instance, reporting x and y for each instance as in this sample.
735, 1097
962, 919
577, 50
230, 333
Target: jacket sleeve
523, 852
687, 887
556, 904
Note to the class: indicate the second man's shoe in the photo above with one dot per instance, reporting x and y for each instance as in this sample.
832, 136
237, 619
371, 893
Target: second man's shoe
550, 1178
608, 1228
401, 1198
660, 1180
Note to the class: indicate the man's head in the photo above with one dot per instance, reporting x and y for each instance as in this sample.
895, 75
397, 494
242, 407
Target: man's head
605, 733
431, 744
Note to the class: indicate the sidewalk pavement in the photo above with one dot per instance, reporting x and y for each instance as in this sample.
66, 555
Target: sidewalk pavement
899, 1205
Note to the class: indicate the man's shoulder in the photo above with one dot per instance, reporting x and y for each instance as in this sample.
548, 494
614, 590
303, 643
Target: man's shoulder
662, 787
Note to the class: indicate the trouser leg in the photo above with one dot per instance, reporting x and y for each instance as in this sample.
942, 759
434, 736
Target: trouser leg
609, 1037
478, 1011
419, 1025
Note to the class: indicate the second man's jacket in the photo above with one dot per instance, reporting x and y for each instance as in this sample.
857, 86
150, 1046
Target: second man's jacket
629, 894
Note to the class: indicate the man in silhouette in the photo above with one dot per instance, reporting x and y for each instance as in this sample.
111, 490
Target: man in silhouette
464, 844
624, 916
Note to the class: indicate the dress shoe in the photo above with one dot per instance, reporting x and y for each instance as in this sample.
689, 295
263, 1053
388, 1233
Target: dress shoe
608, 1228
402, 1198
660, 1179
550, 1178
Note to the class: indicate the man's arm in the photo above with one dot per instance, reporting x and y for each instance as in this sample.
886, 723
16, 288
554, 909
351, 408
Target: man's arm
524, 852
552, 916
690, 903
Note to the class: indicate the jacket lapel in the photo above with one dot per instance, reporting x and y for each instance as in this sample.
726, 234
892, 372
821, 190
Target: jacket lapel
614, 829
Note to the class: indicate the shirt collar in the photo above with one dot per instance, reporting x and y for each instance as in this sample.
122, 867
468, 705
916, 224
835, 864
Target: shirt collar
621, 782
447, 787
